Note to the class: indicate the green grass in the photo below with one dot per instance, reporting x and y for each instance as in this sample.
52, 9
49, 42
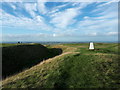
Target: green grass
84, 71
22, 56
80, 69
14, 44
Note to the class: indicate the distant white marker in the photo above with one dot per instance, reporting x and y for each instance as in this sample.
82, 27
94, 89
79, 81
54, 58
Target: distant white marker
91, 47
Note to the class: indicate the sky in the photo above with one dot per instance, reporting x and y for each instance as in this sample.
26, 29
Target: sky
59, 21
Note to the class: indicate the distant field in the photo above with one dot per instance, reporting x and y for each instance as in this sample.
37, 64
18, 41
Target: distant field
76, 67
11, 44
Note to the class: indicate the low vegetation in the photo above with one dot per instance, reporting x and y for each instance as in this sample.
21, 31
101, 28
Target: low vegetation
76, 67
20, 57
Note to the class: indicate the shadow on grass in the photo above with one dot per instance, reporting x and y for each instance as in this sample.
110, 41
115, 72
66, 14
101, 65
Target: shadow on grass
17, 58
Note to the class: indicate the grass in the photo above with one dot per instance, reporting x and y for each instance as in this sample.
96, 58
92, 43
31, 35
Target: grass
19, 57
82, 71
76, 67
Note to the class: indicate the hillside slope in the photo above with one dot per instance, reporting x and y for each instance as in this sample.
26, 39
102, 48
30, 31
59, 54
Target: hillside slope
77, 67
19, 57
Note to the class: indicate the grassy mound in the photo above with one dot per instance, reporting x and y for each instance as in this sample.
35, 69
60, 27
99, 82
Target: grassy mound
77, 67
19, 57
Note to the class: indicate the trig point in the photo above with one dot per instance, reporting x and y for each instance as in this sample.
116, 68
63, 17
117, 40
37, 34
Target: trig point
91, 47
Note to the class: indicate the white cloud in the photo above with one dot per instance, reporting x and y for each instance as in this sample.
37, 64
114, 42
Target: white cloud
92, 34
106, 20
37, 23
13, 6
112, 33
81, 5
84, 4
62, 19
86, 17
65, 18
41, 7
58, 21
63, 35
25, 37
56, 9
31, 8
95, 25
107, 8
59, 0
107, 3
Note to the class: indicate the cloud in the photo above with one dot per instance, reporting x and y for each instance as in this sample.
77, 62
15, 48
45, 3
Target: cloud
36, 23
63, 35
24, 37
62, 19
41, 7
92, 34
31, 8
86, 17
103, 21
112, 33
99, 26
13, 6
65, 18
57, 9
107, 3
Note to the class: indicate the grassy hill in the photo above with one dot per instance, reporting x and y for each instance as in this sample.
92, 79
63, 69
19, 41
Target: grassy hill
19, 57
76, 67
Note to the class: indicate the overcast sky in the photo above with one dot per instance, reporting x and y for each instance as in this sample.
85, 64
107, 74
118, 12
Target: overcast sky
59, 21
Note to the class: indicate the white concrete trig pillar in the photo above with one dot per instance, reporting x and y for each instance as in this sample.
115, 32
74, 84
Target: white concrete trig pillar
91, 47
